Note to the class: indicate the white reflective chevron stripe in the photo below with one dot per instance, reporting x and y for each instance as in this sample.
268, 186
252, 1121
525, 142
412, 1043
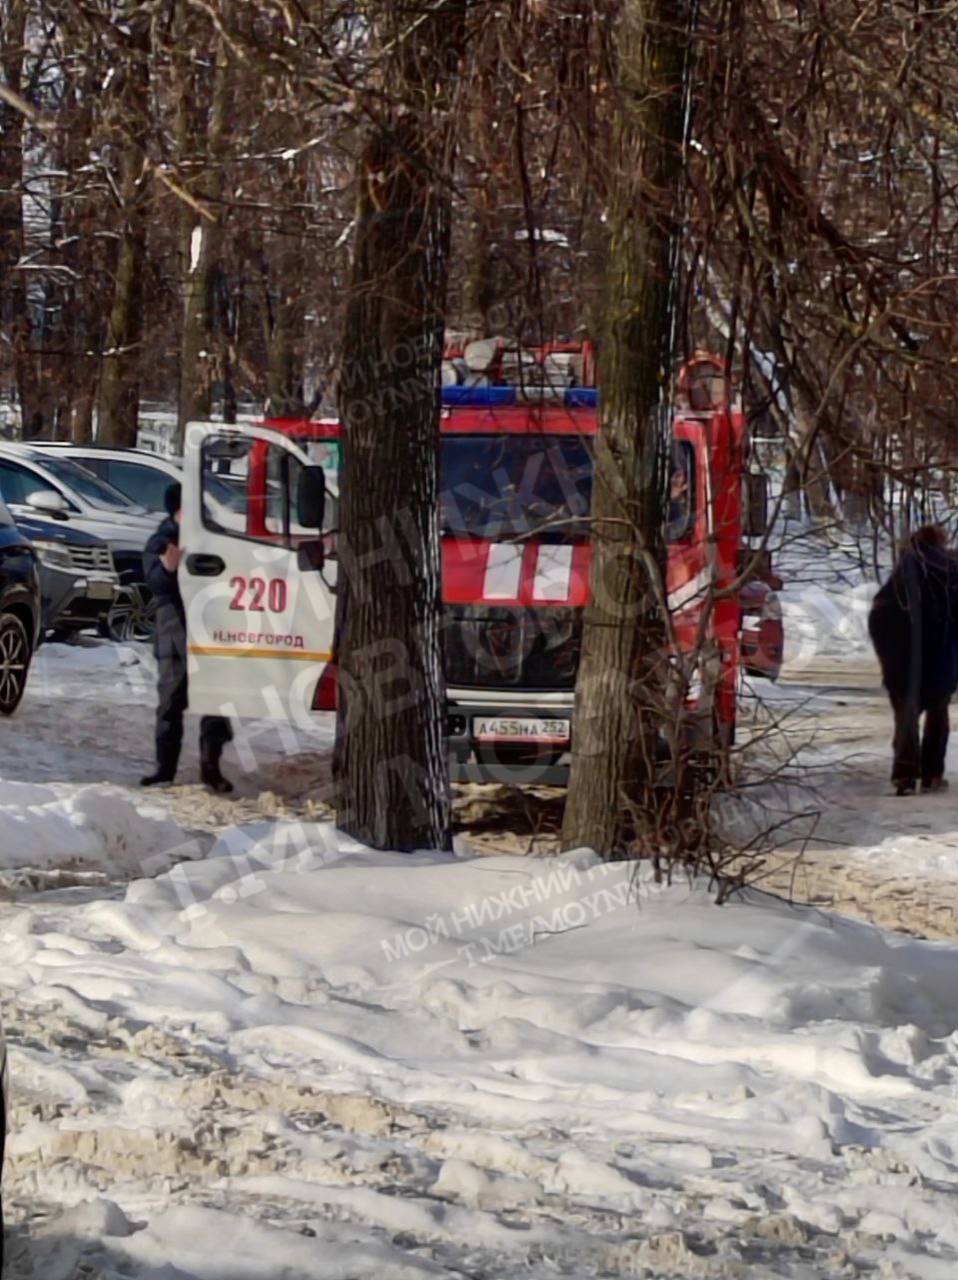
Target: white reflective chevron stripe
553, 578
503, 571
689, 592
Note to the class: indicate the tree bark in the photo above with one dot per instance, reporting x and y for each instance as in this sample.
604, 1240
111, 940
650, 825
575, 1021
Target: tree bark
200, 254
119, 397
390, 762
284, 371
14, 317
284, 290
481, 286
621, 687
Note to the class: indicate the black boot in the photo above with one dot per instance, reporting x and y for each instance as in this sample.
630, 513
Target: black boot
158, 779
167, 758
210, 769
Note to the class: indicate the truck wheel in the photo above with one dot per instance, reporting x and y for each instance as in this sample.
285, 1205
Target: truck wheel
133, 615
14, 662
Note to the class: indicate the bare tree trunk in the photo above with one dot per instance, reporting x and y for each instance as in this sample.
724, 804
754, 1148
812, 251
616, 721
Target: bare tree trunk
14, 317
816, 482
200, 253
286, 308
621, 685
119, 378
390, 763
284, 374
480, 292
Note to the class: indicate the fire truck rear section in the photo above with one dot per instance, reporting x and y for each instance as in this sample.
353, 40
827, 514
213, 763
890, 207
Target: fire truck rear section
516, 482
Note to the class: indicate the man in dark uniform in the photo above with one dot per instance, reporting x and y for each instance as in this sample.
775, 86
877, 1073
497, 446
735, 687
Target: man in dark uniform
161, 559
914, 627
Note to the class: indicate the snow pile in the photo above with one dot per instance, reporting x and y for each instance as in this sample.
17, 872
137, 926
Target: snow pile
93, 826
307, 1059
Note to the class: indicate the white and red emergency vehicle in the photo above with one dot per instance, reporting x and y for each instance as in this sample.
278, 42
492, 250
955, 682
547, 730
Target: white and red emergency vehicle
258, 578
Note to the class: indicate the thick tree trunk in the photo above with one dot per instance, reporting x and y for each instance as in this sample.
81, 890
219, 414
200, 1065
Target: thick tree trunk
622, 682
390, 762
119, 377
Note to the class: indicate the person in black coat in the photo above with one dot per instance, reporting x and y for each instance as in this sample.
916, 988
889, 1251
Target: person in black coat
161, 559
913, 625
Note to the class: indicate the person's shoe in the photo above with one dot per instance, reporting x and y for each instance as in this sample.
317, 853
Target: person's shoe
904, 788
212, 778
210, 769
935, 784
157, 780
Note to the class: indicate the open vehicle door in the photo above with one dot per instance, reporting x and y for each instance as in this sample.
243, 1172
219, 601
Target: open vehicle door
258, 593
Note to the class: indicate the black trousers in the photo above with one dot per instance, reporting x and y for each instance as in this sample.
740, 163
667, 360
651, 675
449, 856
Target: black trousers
919, 755
173, 699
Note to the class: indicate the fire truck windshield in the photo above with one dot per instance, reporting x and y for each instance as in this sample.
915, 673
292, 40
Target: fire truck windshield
507, 486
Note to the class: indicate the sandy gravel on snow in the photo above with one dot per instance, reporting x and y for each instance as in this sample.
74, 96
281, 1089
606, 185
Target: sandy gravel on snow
87, 718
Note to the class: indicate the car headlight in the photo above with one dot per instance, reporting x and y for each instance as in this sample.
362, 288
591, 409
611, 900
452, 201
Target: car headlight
53, 554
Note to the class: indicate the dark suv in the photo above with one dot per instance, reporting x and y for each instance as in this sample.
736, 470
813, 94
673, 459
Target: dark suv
20, 610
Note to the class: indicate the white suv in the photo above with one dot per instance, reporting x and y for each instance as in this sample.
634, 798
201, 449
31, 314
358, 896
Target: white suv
144, 477
141, 477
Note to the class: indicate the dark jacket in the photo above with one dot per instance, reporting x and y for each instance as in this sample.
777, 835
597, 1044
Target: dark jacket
163, 584
914, 625
169, 638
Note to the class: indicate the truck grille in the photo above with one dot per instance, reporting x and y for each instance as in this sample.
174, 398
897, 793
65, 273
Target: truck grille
511, 648
91, 559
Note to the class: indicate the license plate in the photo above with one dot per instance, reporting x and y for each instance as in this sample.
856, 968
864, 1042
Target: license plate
100, 589
519, 729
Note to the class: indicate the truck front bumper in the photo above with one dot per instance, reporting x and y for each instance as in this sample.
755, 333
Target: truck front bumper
508, 760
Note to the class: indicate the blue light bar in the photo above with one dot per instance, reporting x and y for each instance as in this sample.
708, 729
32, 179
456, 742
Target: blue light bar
504, 397
581, 398
478, 397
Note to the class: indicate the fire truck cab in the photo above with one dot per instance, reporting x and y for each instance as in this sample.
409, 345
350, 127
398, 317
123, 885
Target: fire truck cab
258, 579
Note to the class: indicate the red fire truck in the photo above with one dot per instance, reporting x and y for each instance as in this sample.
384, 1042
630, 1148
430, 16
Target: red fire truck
516, 475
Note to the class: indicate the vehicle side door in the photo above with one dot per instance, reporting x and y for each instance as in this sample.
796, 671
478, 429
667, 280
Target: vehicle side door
259, 599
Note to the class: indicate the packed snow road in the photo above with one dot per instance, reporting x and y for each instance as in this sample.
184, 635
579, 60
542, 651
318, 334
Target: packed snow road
868, 853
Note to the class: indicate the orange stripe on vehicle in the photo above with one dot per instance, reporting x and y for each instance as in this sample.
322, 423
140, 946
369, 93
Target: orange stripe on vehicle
225, 651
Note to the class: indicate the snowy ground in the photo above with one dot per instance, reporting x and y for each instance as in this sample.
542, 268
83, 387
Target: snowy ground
86, 721
332, 1063
289, 1057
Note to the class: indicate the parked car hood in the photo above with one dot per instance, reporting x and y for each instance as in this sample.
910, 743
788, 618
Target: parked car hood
125, 531
52, 531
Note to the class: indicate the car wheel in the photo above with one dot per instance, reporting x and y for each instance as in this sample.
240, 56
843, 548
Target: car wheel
14, 662
133, 615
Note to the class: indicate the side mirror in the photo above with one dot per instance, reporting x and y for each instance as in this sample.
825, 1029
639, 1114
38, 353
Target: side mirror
755, 514
48, 501
311, 497
310, 556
